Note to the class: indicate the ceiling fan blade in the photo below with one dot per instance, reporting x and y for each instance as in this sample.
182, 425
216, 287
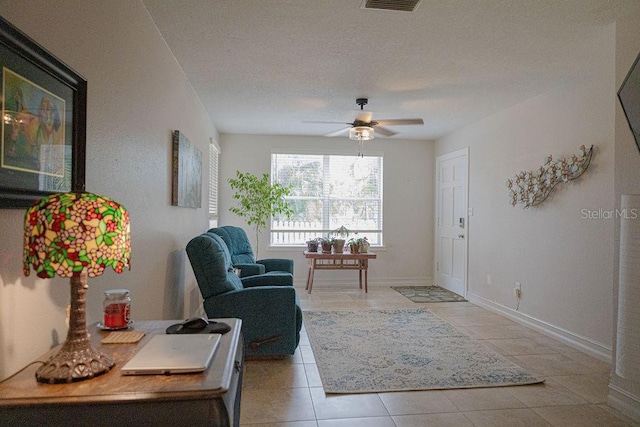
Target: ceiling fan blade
321, 122
399, 122
339, 132
383, 131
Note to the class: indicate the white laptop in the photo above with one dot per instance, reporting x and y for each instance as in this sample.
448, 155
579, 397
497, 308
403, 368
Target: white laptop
173, 354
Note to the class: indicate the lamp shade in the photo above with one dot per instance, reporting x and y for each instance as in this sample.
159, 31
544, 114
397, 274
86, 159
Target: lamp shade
67, 233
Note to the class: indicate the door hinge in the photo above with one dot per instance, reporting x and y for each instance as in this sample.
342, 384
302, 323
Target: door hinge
437, 266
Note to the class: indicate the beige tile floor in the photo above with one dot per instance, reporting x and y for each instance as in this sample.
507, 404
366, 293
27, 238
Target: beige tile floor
288, 392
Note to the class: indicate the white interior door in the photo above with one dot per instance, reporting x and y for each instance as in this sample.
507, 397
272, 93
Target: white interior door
451, 221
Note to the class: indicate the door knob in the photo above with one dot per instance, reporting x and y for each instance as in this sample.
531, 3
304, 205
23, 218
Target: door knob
461, 236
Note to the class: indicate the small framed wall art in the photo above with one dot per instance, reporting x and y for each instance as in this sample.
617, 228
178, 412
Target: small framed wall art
43, 128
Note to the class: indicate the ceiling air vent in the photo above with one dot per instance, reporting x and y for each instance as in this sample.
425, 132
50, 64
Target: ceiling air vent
399, 5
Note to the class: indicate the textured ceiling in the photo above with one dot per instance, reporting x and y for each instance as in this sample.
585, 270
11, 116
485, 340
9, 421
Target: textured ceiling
270, 66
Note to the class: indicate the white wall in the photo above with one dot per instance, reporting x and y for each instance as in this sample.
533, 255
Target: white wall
624, 394
137, 95
563, 261
408, 203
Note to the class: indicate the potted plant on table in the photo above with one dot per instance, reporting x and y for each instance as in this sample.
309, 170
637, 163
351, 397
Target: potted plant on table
354, 247
326, 244
312, 245
363, 244
359, 245
338, 242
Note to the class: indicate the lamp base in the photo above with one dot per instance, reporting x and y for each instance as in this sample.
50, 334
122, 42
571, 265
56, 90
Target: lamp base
73, 364
77, 360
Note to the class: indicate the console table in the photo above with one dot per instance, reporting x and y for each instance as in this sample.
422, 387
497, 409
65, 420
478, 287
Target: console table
338, 261
211, 398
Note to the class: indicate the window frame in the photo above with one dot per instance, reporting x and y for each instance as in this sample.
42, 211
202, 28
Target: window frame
327, 231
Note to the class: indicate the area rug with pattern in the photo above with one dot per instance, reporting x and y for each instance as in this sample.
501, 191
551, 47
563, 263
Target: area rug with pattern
428, 294
371, 351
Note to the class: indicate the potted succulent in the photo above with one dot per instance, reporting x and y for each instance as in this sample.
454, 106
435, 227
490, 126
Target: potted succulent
338, 242
326, 244
312, 245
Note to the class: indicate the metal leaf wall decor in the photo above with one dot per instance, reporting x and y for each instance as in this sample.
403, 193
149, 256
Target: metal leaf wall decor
533, 187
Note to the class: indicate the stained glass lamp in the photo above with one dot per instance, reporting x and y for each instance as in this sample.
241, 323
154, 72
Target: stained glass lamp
76, 235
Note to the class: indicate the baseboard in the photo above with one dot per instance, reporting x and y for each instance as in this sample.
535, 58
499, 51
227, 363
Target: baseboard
624, 402
567, 337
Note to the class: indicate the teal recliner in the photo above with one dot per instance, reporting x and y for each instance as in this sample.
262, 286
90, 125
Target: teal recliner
242, 256
270, 311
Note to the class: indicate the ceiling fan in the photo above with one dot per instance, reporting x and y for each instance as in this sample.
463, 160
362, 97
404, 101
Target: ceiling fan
364, 127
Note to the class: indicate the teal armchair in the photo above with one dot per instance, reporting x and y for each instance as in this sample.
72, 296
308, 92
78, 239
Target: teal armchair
270, 310
242, 256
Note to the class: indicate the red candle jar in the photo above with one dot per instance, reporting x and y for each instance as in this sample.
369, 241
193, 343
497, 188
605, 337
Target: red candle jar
117, 308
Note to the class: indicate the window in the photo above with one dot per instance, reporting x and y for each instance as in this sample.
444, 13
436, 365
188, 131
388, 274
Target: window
213, 181
328, 191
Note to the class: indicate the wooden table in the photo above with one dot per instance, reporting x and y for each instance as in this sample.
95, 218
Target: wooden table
338, 261
211, 398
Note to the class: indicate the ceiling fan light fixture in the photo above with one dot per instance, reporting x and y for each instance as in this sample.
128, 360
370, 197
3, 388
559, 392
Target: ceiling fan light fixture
361, 133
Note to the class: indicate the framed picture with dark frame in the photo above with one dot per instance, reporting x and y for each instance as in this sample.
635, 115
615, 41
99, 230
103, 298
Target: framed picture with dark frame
629, 95
43, 129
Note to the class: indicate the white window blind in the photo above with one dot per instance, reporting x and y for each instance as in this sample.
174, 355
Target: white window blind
213, 180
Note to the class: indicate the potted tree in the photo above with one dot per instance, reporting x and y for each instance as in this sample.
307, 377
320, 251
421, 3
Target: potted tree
259, 200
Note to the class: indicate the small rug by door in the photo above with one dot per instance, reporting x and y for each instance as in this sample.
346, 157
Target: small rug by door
428, 294
370, 351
